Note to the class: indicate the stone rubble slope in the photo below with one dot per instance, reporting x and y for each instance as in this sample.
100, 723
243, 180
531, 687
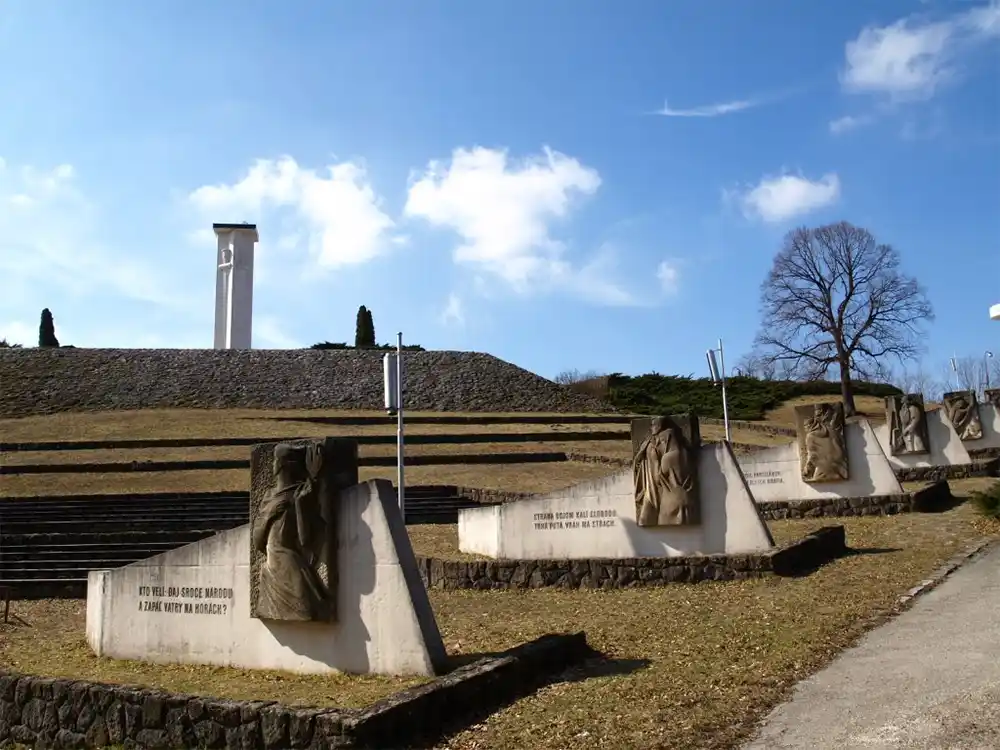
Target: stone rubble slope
44, 381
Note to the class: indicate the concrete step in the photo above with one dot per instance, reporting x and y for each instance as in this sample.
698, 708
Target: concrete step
42, 554
45, 588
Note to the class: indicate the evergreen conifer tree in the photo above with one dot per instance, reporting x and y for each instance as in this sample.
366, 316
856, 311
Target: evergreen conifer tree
47, 330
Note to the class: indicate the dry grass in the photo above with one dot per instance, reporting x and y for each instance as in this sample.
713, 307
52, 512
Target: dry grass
244, 423
539, 477
614, 448
687, 666
220, 423
51, 641
872, 406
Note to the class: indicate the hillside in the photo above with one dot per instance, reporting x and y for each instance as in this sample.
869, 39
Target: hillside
749, 398
43, 381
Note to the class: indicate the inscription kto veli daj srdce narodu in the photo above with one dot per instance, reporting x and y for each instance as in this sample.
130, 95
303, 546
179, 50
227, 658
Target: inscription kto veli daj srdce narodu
185, 600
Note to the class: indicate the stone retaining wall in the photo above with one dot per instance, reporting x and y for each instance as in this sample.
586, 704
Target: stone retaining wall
978, 468
45, 712
798, 557
43, 381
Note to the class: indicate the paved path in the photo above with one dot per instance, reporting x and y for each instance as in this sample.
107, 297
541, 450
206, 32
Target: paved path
928, 679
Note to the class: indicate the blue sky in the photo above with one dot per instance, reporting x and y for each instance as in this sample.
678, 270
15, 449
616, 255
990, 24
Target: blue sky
565, 184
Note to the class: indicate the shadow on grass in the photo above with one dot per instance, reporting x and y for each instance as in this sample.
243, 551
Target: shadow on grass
942, 505
847, 552
462, 717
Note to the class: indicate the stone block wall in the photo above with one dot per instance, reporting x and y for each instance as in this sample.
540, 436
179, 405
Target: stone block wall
45, 712
805, 554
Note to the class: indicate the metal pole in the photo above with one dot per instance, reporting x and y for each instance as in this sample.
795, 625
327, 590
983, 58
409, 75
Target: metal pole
986, 367
725, 401
400, 483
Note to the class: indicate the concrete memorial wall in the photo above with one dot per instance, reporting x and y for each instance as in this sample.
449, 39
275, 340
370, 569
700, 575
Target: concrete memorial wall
777, 474
989, 413
193, 604
944, 447
705, 508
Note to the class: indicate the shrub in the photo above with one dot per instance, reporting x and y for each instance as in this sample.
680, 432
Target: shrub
379, 347
988, 501
749, 398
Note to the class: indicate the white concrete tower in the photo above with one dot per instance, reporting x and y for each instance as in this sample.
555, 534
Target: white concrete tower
234, 285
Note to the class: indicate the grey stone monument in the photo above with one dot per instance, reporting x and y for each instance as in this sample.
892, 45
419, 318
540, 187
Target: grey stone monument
665, 453
294, 489
962, 409
822, 442
907, 424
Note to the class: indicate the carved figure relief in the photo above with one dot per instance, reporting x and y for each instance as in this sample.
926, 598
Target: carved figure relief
665, 474
822, 442
962, 409
293, 529
993, 397
907, 424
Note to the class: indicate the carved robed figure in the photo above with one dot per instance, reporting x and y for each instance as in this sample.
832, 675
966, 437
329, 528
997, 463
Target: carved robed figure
822, 442
665, 475
294, 530
962, 409
907, 424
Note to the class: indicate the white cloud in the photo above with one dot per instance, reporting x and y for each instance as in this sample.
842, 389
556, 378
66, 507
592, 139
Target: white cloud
668, 274
709, 110
454, 311
504, 210
848, 122
784, 197
912, 58
50, 239
337, 213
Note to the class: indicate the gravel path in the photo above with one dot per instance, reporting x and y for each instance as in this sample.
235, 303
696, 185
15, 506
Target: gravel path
927, 680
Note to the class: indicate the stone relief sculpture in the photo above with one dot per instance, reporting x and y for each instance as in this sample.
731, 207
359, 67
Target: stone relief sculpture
822, 442
962, 409
665, 474
993, 396
907, 424
294, 530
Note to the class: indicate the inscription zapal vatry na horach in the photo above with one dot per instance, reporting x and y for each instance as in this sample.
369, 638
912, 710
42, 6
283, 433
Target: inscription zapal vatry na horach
186, 600
574, 519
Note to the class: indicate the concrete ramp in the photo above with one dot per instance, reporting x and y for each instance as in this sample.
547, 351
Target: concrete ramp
192, 604
596, 519
774, 474
946, 448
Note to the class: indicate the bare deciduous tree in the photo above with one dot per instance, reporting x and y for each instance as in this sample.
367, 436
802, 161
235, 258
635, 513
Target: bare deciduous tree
835, 299
972, 373
568, 377
918, 380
